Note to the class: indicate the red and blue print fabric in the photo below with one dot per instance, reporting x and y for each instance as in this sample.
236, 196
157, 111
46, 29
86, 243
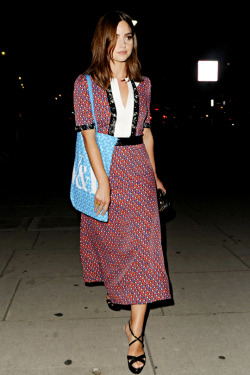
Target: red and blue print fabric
126, 252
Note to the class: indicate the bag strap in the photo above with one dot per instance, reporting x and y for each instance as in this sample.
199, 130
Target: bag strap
91, 99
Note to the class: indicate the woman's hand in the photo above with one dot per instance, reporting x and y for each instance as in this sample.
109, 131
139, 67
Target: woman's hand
160, 185
102, 197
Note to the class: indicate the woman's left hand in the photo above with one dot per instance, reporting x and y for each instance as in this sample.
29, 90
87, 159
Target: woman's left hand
160, 185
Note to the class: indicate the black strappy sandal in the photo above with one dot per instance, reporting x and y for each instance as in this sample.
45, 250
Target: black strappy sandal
113, 306
132, 359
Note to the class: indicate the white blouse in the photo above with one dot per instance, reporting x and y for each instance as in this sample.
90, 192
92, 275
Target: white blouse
124, 119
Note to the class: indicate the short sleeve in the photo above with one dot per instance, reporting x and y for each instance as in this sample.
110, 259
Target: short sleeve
147, 121
82, 107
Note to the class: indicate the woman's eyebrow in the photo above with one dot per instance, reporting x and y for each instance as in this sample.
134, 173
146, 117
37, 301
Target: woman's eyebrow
125, 34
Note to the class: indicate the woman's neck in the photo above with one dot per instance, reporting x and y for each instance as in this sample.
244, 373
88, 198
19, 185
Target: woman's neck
119, 71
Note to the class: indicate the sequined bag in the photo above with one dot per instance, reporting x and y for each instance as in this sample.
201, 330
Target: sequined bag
84, 183
163, 200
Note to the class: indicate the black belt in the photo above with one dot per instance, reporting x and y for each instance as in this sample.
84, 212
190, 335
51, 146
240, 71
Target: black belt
131, 141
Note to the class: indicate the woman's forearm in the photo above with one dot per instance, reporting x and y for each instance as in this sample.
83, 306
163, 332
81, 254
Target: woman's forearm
102, 195
94, 155
148, 141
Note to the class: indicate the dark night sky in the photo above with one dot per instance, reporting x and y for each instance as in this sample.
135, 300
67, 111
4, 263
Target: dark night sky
50, 45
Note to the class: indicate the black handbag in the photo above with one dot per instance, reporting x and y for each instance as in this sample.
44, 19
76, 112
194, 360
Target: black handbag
163, 200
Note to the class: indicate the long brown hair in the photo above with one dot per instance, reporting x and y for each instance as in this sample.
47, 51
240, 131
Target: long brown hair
103, 44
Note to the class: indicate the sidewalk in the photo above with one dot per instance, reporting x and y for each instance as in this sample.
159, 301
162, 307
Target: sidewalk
52, 324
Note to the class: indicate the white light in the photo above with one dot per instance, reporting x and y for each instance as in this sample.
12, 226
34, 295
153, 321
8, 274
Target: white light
208, 71
212, 102
134, 22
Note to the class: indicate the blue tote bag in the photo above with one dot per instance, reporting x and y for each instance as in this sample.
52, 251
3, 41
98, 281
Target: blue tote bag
84, 183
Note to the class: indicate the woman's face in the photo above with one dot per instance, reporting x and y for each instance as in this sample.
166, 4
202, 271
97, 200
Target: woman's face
124, 42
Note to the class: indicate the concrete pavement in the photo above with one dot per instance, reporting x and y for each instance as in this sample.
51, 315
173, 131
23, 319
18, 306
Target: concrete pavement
51, 323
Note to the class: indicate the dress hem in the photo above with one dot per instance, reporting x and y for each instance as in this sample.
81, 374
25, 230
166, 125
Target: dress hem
141, 302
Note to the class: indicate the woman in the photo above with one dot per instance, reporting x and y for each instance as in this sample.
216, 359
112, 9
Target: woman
125, 253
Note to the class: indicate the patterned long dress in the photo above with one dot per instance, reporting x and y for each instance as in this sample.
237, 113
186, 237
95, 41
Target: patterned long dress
126, 252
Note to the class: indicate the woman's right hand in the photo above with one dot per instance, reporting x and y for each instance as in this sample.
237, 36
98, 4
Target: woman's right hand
102, 197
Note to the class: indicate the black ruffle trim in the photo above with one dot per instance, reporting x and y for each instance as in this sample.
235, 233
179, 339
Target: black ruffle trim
84, 127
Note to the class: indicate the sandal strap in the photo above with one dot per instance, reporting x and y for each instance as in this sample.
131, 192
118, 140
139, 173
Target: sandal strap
136, 338
132, 342
141, 358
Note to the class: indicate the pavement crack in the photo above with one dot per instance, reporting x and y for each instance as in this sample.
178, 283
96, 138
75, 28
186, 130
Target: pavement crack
7, 263
194, 219
236, 256
150, 355
8, 308
228, 235
35, 242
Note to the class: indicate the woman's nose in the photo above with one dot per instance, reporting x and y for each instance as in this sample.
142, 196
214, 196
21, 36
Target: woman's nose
121, 42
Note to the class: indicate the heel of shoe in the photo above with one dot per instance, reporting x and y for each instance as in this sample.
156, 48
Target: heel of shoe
113, 306
132, 359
